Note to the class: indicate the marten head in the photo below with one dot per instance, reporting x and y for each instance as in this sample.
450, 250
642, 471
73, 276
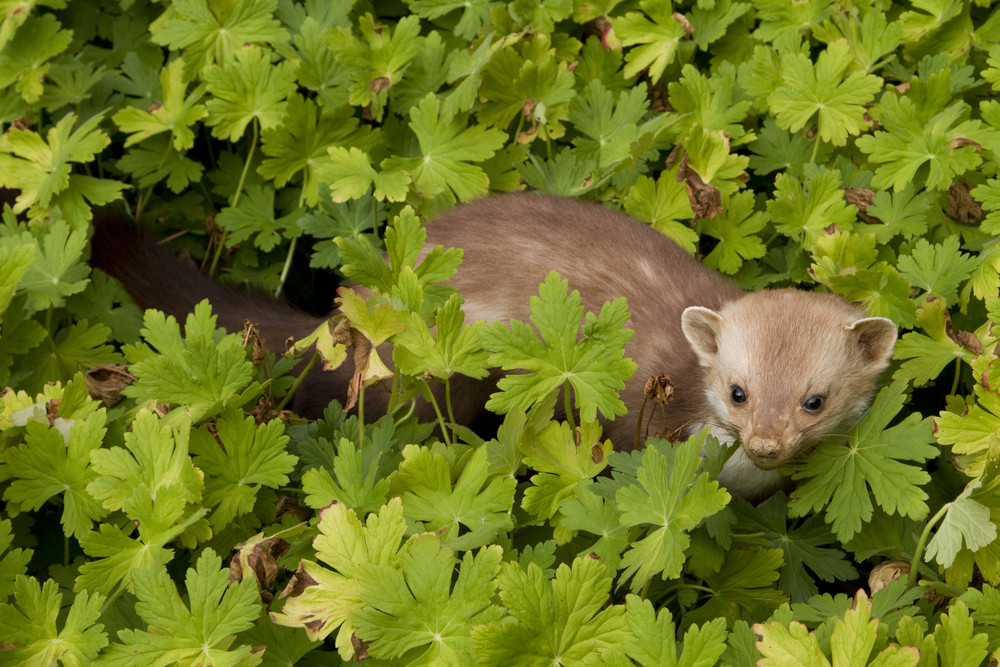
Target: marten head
785, 368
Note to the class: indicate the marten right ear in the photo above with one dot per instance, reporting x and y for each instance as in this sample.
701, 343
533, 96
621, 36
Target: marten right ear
702, 327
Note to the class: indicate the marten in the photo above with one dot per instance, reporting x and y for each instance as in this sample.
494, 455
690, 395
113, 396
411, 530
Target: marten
775, 370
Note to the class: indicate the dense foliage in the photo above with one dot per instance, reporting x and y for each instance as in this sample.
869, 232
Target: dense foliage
185, 519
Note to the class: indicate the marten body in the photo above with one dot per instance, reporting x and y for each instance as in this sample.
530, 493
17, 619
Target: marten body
775, 370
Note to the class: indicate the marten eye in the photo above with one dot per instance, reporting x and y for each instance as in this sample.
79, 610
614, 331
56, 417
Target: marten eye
738, 396
813, 404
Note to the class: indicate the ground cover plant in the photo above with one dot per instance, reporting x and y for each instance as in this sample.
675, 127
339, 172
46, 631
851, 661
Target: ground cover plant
158, 505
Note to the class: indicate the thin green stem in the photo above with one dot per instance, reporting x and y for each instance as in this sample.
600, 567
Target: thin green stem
361, 417
958, 374
285, 268
437, 410
298, 381
922, 542
812, 158
149, 190
568, 406
236, 195
447, 400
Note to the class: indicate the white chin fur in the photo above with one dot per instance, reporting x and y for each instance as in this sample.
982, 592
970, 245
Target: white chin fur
742, 478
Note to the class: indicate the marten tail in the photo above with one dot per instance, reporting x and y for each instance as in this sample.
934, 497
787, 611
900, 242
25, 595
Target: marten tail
156, 278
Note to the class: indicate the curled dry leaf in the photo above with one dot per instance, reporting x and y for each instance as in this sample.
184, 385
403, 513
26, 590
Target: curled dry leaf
862, 198
887, 572
258, 558
961, 205
706, 200
106, 381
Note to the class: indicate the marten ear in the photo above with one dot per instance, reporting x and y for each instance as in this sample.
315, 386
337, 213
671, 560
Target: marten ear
876, 336
702, 327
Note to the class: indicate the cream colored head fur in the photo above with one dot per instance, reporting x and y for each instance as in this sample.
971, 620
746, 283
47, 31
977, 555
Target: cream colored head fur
785, 368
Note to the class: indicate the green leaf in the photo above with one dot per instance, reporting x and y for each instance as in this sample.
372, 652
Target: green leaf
326, 600
206, 37
563, 457
357, 485
55, 461
802, 210
475, 13
655, 41
25, 58
154, 462
708, 103
248, 89
803, 546
350, 175
821, 90
744, 587
844, 478
957, 641
938, 269
792, 646
671, 497
446, 149
40, 168
455, 348
946, 144
175, 113
735, 228
925, 356
254, 218
380, 58
202, 629
203, 370
562, 620
607, 126
653, 642
592, 365
966, 521
586, 511
238, 459
31, 631
468, 515
535, 86
413, 609
302, 141
57, 270
13, 562
973, 429
664, 204
783, 22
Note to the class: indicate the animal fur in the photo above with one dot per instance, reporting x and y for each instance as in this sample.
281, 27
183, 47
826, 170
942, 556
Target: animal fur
780, 347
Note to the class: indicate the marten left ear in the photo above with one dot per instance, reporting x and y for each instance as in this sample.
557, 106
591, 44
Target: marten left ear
876, 336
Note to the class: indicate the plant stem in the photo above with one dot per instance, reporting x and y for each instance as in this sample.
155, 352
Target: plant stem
361, 417
638, 424
298, 381
447, 400
568, 406
236, 196
437, 411
285, 268
922, 542
958, 374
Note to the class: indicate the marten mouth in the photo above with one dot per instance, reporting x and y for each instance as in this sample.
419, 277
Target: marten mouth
765, 464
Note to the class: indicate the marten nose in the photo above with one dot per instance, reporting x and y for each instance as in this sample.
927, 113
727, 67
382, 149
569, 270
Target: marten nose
765, 449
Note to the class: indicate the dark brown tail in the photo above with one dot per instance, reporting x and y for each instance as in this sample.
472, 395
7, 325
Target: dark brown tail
156, 278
